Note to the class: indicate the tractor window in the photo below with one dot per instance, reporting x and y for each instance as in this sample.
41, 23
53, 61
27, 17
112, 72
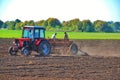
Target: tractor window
36, 33
31, 35
25, 35
28, 33
42, 34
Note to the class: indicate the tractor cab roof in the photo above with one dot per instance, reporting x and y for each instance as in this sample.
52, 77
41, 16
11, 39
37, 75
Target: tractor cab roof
35, 27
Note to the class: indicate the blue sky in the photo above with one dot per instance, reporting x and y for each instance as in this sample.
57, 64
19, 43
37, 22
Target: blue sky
108, 10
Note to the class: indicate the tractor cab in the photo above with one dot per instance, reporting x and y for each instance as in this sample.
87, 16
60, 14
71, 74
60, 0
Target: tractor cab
33, 32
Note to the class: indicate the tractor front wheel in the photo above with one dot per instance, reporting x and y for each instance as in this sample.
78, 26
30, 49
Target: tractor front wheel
12, 51
25, 51
44, 48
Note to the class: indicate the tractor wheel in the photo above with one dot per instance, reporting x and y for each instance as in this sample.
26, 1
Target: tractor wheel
73, 49
44, 48
25, 51
12, 51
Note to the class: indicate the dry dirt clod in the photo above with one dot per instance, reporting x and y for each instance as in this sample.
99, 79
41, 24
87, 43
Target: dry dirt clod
30, 63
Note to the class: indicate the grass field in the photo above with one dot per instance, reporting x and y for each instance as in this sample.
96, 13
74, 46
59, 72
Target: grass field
72, 35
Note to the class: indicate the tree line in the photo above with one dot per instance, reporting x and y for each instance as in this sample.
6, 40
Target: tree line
53, 24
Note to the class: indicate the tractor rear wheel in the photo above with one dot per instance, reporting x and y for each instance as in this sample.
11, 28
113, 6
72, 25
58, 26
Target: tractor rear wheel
44, 48
25, 51
12, 51
73, 49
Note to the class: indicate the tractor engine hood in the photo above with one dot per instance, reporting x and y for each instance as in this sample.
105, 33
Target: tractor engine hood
23, 39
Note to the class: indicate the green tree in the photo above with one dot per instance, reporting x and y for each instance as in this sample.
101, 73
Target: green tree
25, 23
1, 23
72, 25
102, 26
19, 26
31, 23
87, 26
115, 26
17, 21
65, 26
5, 24
40, 23
106, 28
76, 24
98, 24
53, 22
45, 23
11, 25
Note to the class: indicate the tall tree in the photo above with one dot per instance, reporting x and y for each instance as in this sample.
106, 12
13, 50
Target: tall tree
87, 26
53, 22
116, 26
5, 25
98, 24
40, 23
76, 24
66, 26
31, 23
19, 25
106, 28
103, 26
11, 25
1, 23
17, 21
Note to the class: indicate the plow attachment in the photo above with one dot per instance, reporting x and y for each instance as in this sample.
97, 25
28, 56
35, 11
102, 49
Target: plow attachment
63, 47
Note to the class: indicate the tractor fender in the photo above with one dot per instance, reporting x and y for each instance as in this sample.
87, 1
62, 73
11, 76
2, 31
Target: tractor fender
38, 41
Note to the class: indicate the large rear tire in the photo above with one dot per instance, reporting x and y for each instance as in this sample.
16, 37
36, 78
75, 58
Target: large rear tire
12, 51
73, 49
44, 48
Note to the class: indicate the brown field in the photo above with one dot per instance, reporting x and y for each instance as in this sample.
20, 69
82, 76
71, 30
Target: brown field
103, 63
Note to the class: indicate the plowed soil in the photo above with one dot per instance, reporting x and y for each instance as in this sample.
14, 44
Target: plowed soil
103, 63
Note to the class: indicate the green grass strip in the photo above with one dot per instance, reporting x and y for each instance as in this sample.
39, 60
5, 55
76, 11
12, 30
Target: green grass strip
60, 35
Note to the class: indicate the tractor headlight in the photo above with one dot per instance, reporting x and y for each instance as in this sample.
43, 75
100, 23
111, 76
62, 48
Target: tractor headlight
14, 42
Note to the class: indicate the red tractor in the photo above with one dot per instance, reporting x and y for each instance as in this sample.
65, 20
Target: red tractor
33, 39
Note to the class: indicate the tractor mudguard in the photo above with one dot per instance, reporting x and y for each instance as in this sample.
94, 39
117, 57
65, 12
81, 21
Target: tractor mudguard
38, 41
